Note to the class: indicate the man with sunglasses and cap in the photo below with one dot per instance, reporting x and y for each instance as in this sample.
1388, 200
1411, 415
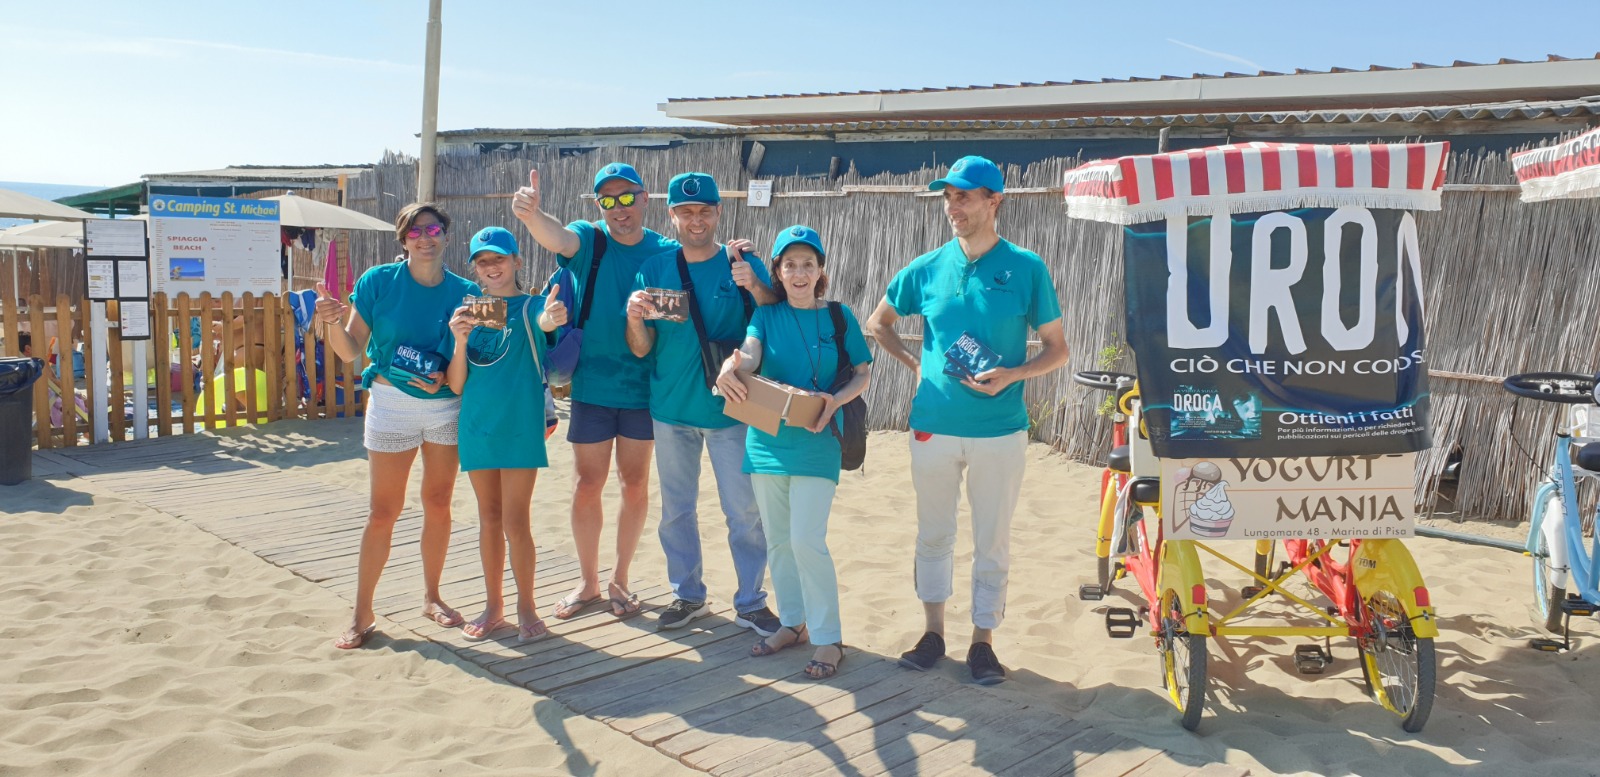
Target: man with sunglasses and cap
723, 292
986, 292
611, 386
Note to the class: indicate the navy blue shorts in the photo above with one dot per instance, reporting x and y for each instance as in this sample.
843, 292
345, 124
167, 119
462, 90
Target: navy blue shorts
598, 423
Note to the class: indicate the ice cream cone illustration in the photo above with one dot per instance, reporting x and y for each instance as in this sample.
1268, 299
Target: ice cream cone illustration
1203, 501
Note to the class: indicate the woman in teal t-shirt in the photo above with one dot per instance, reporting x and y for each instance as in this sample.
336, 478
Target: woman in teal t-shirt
499, 372
795, 472
399, 315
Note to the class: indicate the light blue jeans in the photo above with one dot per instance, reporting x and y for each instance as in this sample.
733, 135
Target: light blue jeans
678, 472
794, 513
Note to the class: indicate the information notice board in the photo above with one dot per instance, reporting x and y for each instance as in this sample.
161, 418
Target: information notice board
206, 244
117, 267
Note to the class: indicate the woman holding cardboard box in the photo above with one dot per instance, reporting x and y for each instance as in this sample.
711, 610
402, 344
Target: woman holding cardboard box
795, 472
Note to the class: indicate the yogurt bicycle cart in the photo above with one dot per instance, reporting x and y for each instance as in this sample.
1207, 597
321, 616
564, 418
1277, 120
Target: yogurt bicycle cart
1274, 311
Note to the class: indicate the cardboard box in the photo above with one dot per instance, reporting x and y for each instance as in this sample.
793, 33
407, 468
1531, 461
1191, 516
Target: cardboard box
770, 402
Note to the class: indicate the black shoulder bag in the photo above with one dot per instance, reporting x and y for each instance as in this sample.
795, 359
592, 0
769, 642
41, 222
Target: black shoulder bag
594, 270
712, 352
853, 440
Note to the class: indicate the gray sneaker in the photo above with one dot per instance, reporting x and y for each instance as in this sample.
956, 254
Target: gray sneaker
680, 612
761, 621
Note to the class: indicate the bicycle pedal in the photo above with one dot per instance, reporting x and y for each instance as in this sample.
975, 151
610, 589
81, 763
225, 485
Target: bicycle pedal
1311, 659
1121, 623
1090, 592
1250, 591
1547, 645
1573, 605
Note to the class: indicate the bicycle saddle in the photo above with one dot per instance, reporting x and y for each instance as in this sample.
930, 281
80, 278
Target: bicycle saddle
1588, 457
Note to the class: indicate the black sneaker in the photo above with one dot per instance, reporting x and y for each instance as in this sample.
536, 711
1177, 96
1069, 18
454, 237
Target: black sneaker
929, 650
760, 621
985, 665
679, 613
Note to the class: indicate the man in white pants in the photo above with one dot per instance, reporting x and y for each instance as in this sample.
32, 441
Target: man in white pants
978, 296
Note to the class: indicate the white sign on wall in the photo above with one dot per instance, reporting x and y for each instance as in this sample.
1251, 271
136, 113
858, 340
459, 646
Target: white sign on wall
205, 244
1312, 497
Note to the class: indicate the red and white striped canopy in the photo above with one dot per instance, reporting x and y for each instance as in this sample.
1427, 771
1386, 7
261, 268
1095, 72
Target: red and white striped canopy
1565, 171
1254, 177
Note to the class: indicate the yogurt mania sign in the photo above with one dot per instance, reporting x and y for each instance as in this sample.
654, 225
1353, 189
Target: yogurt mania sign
1314, 497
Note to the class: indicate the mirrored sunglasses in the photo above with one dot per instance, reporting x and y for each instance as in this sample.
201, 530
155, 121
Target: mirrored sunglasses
431, 230
623, 200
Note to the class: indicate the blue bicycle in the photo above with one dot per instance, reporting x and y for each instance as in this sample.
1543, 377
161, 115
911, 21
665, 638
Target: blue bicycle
1566, 575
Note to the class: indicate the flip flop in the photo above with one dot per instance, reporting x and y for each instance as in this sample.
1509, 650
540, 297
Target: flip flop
445, 617
353, 640
628, 604
478, 631
573, 606
824, 670
532, 632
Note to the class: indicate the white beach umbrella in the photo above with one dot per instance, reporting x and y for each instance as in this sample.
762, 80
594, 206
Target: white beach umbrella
294, 211
17, 205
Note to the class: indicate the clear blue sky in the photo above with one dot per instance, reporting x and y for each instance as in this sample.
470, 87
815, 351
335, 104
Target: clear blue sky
98, 93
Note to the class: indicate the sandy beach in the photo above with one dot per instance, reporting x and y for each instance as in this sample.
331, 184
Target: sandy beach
138, 644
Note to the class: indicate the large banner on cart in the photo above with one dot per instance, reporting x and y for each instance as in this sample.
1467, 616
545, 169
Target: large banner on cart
1284, 333
1310, 497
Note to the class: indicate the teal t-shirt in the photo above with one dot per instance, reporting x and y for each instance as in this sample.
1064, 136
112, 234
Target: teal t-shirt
608, 373
997, 298
403, 313
797, 349
502, 402
678, 393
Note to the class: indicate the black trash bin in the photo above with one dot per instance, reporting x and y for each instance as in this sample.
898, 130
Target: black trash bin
16, 418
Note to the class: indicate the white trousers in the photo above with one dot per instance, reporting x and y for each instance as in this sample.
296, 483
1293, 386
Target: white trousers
993, 472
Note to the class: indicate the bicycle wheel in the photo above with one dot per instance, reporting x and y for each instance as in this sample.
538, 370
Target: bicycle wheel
1546, 594
1183, 661
1108, 504
1397, 665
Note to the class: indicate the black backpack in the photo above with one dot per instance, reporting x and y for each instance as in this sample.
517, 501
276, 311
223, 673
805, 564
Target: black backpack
853, 440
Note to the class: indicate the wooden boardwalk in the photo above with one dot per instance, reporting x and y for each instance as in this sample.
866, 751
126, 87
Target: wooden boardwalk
695, 695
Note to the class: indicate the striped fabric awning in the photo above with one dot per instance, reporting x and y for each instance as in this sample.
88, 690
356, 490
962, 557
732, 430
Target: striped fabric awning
1254, 177
1564, 171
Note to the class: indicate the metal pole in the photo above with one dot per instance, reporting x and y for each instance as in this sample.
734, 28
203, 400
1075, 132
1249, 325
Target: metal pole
430, 106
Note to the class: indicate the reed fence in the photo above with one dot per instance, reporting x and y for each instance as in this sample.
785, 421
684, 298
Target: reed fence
1510, 287
243, 367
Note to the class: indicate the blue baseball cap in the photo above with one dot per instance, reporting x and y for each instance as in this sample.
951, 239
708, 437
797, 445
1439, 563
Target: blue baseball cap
496, 239
798, 233
972, 172
621, 170
688, 188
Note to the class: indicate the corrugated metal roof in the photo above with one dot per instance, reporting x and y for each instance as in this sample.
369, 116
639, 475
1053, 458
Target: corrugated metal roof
1477, 112
1135, 79
264, 173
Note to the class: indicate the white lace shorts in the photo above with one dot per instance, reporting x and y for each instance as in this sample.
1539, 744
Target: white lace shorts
398, 422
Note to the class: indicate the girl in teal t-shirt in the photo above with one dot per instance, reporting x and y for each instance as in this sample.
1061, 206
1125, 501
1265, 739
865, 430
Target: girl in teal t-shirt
498, 370
795, 472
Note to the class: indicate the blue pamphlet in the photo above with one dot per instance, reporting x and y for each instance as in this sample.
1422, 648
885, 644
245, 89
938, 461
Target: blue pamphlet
968, 357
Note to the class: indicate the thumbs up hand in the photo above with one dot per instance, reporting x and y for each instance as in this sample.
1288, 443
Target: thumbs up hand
330, 309
728, 381
525, 204
555, 311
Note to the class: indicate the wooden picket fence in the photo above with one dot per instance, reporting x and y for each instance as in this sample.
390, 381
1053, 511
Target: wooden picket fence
246, 352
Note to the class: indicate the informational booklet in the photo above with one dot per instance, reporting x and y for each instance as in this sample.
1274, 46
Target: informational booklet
414, 363
968, 357
489, 311
671, 304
